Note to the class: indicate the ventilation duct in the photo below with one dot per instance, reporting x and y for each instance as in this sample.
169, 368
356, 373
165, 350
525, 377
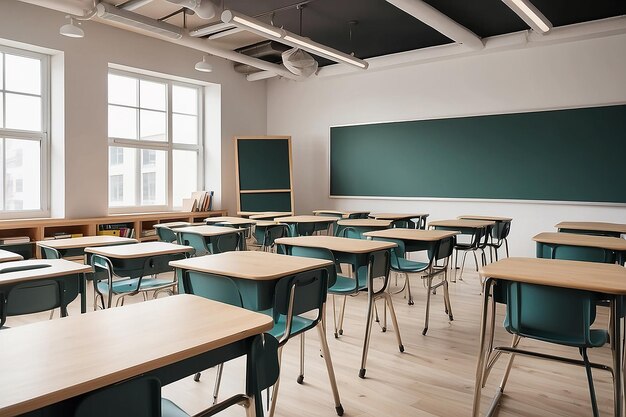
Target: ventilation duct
269, 51
299, 62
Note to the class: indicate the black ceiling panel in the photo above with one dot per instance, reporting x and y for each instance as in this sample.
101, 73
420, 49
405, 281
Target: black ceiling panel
567, 12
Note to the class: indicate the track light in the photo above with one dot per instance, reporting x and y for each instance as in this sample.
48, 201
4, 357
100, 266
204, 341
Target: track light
529, 14
253, 25
203, 66
205, 9
71, 30
109, 12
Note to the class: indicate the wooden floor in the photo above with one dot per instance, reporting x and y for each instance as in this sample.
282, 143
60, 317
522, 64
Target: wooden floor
433, 377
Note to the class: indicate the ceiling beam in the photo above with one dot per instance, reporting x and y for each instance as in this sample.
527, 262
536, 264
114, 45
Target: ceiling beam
439, 21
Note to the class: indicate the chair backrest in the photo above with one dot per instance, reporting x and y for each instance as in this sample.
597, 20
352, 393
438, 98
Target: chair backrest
263, 361
304, 229
396, 253
378, 266
226, 243
166, 234
501, 230
196, 241
349, 232
575, 253
551, 314
299, 294
481, 237
49, 253
443, 249
213, 287
319, 253
137, 397
275, 232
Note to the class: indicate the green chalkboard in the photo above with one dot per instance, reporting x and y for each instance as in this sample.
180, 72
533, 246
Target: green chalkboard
560, 155
264, 165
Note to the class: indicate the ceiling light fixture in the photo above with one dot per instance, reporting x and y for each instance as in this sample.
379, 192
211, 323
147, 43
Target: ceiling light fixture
203, 66
72, 30
529, 14
291, 39
210, 29
205, 9
107, 11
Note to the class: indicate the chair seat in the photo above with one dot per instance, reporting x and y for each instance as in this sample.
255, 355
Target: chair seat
406, 265
598, 338
169, 409
299, 324
345, 285
130, 285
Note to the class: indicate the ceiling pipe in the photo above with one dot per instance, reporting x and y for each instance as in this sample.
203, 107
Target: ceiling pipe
439, 21
186, 40
131, 5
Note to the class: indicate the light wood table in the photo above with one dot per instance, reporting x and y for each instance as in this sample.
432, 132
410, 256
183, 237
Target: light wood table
498, 234
461, 224
71, 274
342, 214
306, 225
403, 217
6, 256
173, 225
492, 218
48, 364
356, 227
139, 250
212, 233
598, 228
264, 215
75, 246
547, 242
606, 279
233, 221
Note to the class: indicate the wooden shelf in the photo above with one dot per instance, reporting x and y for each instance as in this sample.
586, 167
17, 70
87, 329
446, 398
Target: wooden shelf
37, 229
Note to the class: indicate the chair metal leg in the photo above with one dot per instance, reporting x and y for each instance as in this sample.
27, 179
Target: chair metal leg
592, 391
408, 288
301, 376
335, 317
394, 320
428, 292
475, 260
275, 388
462, 266
446, 297
330, 369
368, 333
218, 381
506, 246
343, 310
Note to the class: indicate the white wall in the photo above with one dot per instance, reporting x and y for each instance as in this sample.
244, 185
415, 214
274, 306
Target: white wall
86, 62
577, 74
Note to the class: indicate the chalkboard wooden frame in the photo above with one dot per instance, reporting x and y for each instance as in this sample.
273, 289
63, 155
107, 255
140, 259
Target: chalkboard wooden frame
256, 192
559, 127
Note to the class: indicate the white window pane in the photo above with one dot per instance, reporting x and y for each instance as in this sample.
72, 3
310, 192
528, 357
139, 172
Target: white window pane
1, 107
122, 122
185, 100
1, 174
153, 125
153, 177
152, 95
185, 175
23, 74
1, 71
23, 112
122, 177
22, 180
122, 90
185, 129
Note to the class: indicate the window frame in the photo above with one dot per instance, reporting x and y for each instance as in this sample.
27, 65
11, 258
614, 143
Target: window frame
168, 145
43, 137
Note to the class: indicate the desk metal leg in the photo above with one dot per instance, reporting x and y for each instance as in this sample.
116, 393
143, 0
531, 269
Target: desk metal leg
616, 347
481, 350
83, 293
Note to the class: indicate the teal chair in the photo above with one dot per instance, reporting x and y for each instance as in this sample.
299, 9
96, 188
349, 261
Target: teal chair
217, 288
498, 237
49, 253
304, 293
267, 236
441, 251
166, 234
141, 396
554, 315
220, 243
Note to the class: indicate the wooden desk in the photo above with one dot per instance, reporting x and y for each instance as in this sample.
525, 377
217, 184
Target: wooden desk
52, 363
139, 250
71, 273
75, 246
264, 215
342, 214
406, 217
316, 223
173, 225
602, 278
6, 256
608, 229
551, 240
461, 224
254, 272
355, 228
233, 221
337, 244
492, 218
208, 231
414, 239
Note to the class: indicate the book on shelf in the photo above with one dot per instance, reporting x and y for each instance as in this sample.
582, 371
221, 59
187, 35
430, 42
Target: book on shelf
189, 204
147, 233
203, 201
14, 240
116, 229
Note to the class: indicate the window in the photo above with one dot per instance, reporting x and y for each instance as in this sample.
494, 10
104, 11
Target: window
155, 146
23, 133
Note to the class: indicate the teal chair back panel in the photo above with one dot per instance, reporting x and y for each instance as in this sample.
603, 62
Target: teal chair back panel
575, 253
501, 230
275, 232
49, 253
138, 397
397, 252
443, 249
318, 253
264, 360
305, 229
226, 243
33, 297
551, 314
165, 234
379, 264
309, 293
196, 241
218, 288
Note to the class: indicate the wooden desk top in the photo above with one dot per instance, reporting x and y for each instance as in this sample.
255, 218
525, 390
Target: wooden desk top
265, 223
398, 216
6, 256
461, 223
412, 234
253, 265
596, 226
172, 224
264, 215
85, 241
53, 268
139, 250
573, 239
337, 244
230, 220
589, 276
344, 213
50, 361
305, 219
494, 218
364, 223
208, 230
